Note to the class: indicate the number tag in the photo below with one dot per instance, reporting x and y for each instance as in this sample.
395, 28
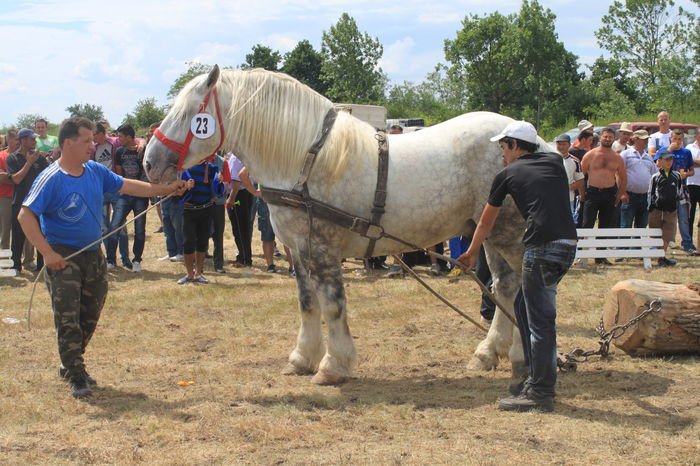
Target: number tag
202, 126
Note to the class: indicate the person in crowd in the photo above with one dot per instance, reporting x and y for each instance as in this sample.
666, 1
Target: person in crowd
46, 145
582, 145
59, 217
219, 216
198, 213
623, 137
574, 172
6, 189
537, 183
23, 167
241, 213
683, 164
155, 200
584, 126
665, 190
128, 162
661, 138
693, 184
639, 167
104, 153
267, 235
606, 185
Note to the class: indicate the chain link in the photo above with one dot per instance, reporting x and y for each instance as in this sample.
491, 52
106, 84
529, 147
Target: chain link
568, 361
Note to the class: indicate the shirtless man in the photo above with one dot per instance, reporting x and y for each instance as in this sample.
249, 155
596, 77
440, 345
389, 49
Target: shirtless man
606, 186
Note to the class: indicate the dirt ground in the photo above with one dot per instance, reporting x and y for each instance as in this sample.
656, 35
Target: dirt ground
412, 400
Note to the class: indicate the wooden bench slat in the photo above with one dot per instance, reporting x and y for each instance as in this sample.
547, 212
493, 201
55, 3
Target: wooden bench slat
602, 253
619, 242
6, 263
5, 253
625, 232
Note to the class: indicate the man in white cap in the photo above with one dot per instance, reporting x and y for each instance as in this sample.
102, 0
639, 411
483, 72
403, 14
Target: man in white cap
639, 168
538, 184
623, 137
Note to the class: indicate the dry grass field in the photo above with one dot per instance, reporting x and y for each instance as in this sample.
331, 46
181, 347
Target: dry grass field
412, 400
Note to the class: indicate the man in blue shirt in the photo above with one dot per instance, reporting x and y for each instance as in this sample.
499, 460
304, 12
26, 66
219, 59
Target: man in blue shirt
62, 214
683, 164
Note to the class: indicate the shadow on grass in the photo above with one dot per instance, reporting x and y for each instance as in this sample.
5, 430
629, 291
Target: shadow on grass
466, 393
114, 403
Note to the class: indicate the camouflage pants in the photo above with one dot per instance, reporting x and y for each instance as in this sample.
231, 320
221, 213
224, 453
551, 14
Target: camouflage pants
78, 293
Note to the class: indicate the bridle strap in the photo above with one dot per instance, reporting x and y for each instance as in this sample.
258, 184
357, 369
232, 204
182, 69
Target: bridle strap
181, 149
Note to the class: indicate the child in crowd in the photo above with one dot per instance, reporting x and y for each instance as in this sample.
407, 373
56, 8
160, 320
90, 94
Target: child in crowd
665, 189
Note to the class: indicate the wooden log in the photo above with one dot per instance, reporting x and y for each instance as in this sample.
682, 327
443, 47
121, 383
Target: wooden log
674, 329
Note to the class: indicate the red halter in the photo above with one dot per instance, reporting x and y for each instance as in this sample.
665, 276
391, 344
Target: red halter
183, 149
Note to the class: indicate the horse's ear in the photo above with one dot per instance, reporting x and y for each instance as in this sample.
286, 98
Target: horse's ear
213, 76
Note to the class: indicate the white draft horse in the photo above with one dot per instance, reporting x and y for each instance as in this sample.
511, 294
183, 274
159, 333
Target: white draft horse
438, 183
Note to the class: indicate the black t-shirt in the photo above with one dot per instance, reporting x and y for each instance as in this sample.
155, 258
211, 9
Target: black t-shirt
15, 162
131, 162
539, 186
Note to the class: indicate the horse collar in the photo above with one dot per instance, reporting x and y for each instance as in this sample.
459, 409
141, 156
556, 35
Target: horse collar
181, 149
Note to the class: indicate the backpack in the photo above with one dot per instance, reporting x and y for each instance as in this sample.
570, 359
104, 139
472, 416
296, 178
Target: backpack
666, 192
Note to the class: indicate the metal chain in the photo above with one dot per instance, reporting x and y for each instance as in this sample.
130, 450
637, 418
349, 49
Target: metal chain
568, 361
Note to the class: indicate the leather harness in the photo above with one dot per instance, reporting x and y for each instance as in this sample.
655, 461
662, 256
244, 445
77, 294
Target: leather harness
298, 197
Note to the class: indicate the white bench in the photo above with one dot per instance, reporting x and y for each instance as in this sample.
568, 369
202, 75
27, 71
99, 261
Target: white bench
6, 264
618, 242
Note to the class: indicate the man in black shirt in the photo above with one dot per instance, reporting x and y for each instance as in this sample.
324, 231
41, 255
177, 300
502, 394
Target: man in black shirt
538, 184
23, 167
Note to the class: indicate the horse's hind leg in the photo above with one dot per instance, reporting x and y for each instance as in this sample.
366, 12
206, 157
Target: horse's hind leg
339, 360
503, 339
307, 355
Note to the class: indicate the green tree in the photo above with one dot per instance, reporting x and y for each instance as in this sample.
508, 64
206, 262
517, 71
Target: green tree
26, 120
677, 85
262, 57
639, 33
608, 101
145, 113
194, 69
304, 63
89, 111
351, 64
484, 58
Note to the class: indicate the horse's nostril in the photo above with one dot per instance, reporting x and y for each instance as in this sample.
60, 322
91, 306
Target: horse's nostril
148, 166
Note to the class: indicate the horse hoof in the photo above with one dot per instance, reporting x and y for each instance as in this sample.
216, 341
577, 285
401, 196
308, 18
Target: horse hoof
291, 369
478, 364
323, 378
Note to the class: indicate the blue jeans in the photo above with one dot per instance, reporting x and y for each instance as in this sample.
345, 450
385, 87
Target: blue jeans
536, 311
172, 211
683, 211
108, 204
126, 204
635, 211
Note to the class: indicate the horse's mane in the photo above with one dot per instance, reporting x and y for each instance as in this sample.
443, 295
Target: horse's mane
274, 119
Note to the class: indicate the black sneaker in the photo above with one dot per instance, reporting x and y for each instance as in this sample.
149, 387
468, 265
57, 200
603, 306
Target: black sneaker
603, 261
517, 388
79, 387
527, 401
63, 373
271, 268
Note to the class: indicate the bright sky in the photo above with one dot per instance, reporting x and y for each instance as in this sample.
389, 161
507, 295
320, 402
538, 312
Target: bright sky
60, 52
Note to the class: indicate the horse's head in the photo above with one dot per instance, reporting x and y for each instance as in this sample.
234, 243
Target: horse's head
189, 133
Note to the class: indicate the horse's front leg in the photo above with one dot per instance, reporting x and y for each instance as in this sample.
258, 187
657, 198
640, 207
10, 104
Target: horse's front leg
503, 339
339, 361
307, 355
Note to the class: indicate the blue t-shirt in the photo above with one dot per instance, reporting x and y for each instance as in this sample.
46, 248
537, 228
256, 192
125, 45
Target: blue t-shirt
70, 207
682, 158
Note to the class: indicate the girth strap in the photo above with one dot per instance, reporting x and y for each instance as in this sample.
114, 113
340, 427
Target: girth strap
380, 191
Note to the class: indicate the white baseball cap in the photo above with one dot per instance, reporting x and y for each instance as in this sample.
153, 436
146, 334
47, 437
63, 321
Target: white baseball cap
518, 130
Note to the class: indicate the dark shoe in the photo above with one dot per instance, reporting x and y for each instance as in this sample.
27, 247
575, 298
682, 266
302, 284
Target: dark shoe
79, 387
63, 373
127, 265
219, 269
527, 401
517, 388
671, 261
271, 268
603, 261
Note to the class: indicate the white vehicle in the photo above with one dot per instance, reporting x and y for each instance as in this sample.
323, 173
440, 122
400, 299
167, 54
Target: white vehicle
375, 115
